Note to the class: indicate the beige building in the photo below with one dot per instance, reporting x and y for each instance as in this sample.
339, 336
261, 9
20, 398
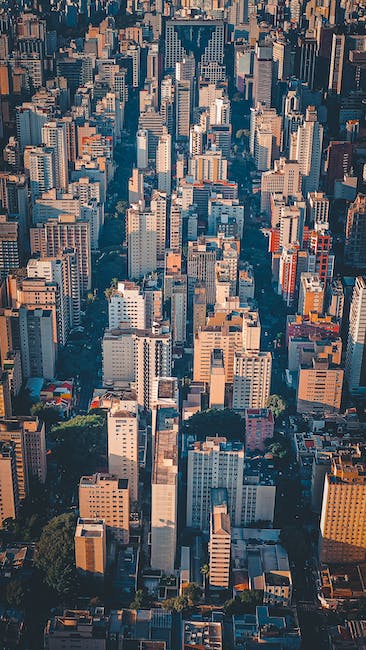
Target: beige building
220, 540
9, 500
104, 496
28, 436
319, 387
252, 380
123, 433
217, 380
311, 294
199, 307
90, 547
343, 515
164, 491
5, 400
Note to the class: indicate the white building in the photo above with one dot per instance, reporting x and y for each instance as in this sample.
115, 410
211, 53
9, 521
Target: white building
355, 367
127, 305
123, 443
164, 163
141, 242
252, 379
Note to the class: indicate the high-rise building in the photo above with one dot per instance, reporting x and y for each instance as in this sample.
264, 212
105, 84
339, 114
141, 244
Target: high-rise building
319, 388
164, 163
37, 345
104, 496
141, 236
252, 379
219, 545
204, 38
338, 163
262, 74
142, 138
343, 514
5, 398
28, 436
54, 136
336, 64
215, 463
65, 232
183, 98
9, 499
41, 170
123, 443
178, 309
164, 491
158, 207
355, 365
306, 148
311, 294
284, 178
10, 252
355, 247
217, 380
127, 305
201, 265
90, 547
318, 210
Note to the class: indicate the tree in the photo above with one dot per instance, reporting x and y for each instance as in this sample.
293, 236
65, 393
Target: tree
178, 604
192, 592
215, 422
48, 414
15, 593
250, 599
55, 555
277, 405
141, 600
279, 446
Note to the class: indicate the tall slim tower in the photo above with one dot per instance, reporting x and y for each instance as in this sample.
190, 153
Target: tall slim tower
54, 137
355, 367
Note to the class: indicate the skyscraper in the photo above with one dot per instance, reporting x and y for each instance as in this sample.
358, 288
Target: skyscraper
54, 137
164, 163
355, 366
141, 236
252, 379
104, 496
123, 442
355, 247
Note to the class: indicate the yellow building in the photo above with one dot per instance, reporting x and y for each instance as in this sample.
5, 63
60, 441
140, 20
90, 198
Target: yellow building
90, 547
319, 387
343, 516
104, 496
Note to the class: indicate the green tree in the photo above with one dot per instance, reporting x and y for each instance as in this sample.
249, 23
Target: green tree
178, 604
250, 599
48, 414
15, 593
192, 592
214, 422
141, 600
55, 555
279, 446
277, 405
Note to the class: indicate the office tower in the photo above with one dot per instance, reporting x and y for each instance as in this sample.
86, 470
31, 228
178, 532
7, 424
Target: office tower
138, 356
225, 216
37, 345
336, 64
282, 59
178, 309
246, 284
61, 271
158, 207
205, 39
343, 514
355, 247
335, 299
338, 163
164, 163
90, 547
153, 304
307, 45
355, 365
127, 305
321, 258
219, 545
262, 73
10, 252
217, 380
215, 463
175, 225
199, 306
54, 137
104, 496
165, 395
201, 264
183, 90
65, 232
252, 379
164, 491
209, 166
259, 427
264, 119
136, 187
153, 123
123, 443
142, 139
196, 139
42, 170
5, 399
141, 234
306, 148
291, 225
37, 293
284, 178
319, 386
318, 210
9, 499
311, 294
